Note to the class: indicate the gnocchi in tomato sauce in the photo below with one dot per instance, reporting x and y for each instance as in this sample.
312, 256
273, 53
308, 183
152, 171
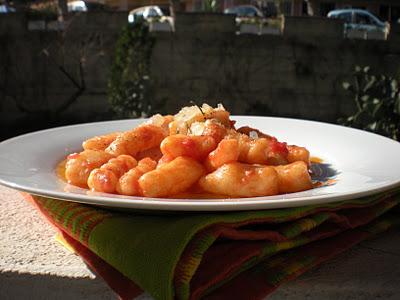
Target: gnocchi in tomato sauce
194, 153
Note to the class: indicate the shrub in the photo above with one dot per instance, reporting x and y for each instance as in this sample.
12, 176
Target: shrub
377, 99
129, 86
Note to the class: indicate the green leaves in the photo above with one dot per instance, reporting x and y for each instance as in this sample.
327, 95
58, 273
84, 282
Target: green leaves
346, 85
397, 104
210, 5
129, 85
377, 98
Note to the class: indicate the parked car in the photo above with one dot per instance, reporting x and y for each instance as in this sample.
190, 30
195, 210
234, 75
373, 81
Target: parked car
244, 11
146, 13
83, 6
245, 14
361, 20
76, 6
6, 9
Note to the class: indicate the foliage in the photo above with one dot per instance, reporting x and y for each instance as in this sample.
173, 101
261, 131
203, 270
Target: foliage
377, 98
210, 5
129, 86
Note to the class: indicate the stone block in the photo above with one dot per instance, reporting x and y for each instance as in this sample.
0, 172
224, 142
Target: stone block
55, 26
193, 23
249, 28
270, 30
311, 27
160, 26
356, 34
36, 25
12, 24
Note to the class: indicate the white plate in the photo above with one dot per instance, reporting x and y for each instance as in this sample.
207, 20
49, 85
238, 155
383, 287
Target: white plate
363, 164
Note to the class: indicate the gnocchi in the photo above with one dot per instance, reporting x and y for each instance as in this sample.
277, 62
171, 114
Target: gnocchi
196, 152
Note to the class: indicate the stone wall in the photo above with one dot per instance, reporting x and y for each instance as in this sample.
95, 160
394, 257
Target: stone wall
296, 74
42, 72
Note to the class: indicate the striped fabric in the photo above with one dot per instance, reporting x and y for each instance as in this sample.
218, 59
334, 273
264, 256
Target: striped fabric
75, 219
239, 255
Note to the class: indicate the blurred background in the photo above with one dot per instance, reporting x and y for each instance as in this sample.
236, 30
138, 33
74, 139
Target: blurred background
66, 62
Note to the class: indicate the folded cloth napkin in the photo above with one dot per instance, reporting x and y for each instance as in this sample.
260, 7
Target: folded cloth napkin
235, 255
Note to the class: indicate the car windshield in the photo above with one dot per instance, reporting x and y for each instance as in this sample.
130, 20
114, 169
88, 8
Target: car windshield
152, 13
139, 14
361, 18
246, 12
346, 17
357, 17
242, 11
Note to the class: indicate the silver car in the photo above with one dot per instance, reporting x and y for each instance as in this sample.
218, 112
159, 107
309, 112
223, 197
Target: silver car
145, 12
244, 11
6, 9
362, 21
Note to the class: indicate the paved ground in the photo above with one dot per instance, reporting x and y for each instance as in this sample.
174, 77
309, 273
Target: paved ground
34, 266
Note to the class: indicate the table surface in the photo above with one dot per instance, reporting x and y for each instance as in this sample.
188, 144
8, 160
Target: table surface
34, 265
